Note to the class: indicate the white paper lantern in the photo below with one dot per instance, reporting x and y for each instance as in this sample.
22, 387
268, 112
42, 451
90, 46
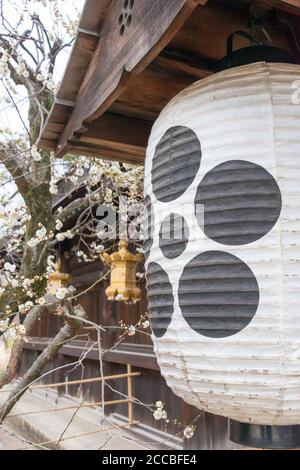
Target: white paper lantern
224, 291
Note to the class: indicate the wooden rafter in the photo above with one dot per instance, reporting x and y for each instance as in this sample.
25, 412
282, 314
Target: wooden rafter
133, 50
291, 6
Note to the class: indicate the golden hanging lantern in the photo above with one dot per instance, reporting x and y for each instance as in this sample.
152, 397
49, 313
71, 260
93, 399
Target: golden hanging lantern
122, 274
57, 279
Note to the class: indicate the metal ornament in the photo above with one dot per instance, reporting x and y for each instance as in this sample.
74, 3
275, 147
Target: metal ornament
257, 52
122, 274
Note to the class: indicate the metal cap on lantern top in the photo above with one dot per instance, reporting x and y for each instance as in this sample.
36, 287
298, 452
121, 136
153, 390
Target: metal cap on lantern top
223, 171
257, 52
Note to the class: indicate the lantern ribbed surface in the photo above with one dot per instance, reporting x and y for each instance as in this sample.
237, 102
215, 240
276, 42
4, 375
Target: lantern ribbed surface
224, 157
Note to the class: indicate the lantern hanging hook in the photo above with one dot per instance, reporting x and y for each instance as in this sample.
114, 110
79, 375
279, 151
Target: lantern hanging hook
256, 24
243, 34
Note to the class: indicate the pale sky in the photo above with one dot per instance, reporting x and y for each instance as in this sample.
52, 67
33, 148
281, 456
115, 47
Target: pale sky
9, 117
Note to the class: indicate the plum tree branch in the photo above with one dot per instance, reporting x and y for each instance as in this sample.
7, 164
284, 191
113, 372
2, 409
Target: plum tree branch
73, 317
13, 164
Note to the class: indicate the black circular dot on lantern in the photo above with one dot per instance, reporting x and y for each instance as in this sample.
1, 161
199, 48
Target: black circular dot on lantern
173, 236
129, 19
237, 203
148, 226
160, 299
175, 163
218, 294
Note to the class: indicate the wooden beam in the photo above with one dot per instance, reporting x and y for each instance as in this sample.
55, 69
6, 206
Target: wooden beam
82, 53
294, 3
93, 14
163, 79
114, 136
149, 29
59, 115
107, 151
118, 129
291, 6
137, 356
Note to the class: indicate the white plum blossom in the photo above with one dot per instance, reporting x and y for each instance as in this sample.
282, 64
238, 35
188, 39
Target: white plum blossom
4, 324
146, 324
131, 330
108, 196
60, 237
26, 218
53, 188
94, 170
14, 283
33, 242
160, 413
20, 330
157, 414
10, 267
41, 233
58, 224
80, 171
73, 179
35, 154
61, 293
188, 432
69, 234
3, 282
63, 235
26, 283
24, 308
21, 69
97, 248
4, 70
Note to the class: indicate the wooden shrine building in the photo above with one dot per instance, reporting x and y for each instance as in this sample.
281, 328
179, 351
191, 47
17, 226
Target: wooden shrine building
129, 59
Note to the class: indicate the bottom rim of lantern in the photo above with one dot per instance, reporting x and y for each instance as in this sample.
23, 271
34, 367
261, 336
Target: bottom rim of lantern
264, 436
